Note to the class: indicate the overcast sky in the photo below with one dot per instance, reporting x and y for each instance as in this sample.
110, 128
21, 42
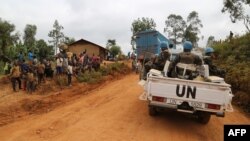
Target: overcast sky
100, 20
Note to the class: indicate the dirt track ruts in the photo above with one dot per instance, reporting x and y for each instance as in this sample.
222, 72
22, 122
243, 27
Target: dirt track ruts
114, 112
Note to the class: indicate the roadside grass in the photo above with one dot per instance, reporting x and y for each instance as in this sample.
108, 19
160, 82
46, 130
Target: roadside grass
109, 69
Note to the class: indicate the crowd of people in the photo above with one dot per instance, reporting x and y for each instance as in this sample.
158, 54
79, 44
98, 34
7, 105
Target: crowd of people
29, 73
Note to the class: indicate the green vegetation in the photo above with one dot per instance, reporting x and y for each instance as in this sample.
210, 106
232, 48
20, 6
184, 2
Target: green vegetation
97, 76
61, 80
234, 57
141, 24
113, 47
237, 10
180, 30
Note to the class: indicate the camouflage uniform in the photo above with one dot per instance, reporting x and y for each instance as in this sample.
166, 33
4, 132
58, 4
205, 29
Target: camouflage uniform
162, 58
213, 70
149, 64
185, 58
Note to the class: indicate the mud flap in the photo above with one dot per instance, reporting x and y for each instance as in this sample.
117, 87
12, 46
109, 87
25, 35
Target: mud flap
142, 83
143, 96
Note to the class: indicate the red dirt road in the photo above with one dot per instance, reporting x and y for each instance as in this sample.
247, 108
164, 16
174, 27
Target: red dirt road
114, 112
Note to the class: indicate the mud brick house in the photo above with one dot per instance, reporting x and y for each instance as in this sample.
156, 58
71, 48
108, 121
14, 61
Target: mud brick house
79, 46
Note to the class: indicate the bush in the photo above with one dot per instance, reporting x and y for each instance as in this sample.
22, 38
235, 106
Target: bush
110, 69
234, 57
61, 80
1, 67
90, 77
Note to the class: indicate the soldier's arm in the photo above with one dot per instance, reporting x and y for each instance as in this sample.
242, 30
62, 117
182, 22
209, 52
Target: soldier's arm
198, 60
176, 60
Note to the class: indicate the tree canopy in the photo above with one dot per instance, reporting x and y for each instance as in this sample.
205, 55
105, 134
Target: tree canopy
29, 37
236, 9
44, 51
110, 43
180, 30
142, 25
175, 26
193, 28
210, 41
56, 34
7, 38
113, 47
115, 50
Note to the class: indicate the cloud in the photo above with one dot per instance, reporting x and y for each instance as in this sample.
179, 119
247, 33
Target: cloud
98, 21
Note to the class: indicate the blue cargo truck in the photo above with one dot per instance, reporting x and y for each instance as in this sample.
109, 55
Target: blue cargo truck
148, 43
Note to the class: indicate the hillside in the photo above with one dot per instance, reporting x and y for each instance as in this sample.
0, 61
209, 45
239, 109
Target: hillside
234, 57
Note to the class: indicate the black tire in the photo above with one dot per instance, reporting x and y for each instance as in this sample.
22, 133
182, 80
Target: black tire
203, 117
152, 111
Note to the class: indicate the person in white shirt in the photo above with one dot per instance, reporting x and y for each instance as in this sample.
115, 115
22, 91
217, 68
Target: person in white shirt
59, 62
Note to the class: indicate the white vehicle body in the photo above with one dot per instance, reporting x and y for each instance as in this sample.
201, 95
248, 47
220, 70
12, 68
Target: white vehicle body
188, 96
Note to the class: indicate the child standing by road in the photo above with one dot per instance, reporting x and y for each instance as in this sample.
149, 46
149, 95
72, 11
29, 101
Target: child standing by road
70, 72
30, 82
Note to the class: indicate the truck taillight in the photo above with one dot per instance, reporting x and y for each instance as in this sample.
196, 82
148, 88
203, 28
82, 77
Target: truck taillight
213, 106
159, 99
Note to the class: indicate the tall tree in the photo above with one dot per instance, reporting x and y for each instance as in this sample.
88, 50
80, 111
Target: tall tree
29, 37
68, 40
7, 38
175, 26
113, 47
193, 28
57, 35
44, 51
110, 43
141, 25
115, 50
236, 9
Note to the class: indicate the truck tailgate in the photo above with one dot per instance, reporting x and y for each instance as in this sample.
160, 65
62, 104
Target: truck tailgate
187, 90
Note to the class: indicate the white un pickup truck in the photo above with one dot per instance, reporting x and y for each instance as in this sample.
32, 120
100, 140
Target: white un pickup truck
196, 97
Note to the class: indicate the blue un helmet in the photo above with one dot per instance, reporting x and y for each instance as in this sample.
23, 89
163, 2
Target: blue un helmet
209, 50
187, 45
164, 45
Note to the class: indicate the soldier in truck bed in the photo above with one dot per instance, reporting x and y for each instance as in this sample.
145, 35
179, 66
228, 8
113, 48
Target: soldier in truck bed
163, 56
208, 60
183, 60
148, 65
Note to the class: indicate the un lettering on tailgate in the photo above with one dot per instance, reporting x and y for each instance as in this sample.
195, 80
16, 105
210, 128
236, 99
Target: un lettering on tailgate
186, 91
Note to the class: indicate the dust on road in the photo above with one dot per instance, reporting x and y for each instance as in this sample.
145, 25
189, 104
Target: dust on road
114, 112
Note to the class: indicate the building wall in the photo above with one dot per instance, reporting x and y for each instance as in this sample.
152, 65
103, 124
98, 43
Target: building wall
80, 47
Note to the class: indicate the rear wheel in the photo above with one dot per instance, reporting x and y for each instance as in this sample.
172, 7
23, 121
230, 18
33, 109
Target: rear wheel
203, 117
152, 111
